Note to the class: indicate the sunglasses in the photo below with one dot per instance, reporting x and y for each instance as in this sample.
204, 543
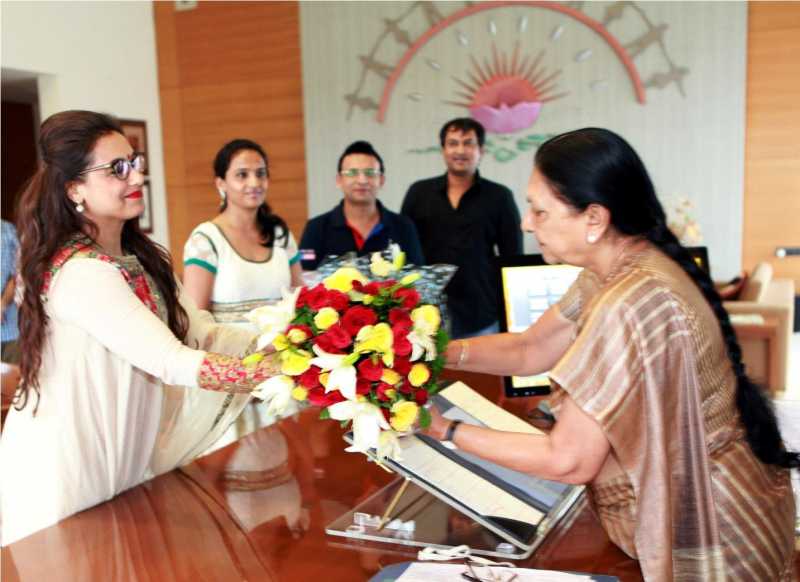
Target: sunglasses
121, 167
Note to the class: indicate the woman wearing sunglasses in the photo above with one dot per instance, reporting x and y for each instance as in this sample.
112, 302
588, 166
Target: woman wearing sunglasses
680, 450
108, 339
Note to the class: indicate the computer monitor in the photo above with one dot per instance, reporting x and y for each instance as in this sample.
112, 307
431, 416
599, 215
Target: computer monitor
527, 286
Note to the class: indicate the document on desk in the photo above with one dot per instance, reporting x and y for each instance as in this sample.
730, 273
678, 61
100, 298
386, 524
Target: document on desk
430, 572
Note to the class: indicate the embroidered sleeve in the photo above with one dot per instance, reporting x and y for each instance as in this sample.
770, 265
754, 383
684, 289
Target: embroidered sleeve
223, 373
200, 250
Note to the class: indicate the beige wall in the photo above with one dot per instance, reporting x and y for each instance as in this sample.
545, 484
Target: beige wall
97, 56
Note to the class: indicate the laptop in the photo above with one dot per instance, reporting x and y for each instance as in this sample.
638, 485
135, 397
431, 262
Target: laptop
527, 287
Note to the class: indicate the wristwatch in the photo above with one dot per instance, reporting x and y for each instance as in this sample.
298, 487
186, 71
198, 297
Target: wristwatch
449, 434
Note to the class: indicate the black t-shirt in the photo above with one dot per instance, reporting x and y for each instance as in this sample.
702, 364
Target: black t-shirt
329, 234
486, 222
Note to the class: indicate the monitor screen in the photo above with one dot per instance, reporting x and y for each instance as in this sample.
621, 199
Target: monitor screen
527, 287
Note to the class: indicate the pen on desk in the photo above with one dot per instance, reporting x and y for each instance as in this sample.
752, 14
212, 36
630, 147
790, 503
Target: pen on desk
466, 576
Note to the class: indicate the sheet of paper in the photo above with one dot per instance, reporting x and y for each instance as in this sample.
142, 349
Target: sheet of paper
432, 572
465, 486
485, 410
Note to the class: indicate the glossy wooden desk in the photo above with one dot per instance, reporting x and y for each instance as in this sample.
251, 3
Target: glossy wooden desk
208, 521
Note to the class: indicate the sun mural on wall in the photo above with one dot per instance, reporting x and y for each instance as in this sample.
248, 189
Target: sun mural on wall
510, 88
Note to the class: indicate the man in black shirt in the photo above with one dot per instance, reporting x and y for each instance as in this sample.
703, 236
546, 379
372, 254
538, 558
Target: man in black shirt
359, 223
464, 219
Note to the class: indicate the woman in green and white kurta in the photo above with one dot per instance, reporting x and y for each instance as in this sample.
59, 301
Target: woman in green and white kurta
243, 258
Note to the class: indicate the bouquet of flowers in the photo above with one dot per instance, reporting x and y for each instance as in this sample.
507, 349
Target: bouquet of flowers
367, 352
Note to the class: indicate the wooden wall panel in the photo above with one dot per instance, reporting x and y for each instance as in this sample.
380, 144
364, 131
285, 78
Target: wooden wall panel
228, 70
772, 149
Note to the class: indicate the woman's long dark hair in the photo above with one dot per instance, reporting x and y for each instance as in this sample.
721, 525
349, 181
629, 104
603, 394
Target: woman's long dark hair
596, 166
267, 221
48, 219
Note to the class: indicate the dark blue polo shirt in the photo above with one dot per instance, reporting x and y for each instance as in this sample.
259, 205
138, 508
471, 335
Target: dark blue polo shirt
329, 234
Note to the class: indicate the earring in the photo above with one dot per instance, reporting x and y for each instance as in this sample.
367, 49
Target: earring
222, 194
591, 238
79, 207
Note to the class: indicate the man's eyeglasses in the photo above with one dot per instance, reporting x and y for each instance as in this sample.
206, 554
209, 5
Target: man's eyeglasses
121, 167
367, 172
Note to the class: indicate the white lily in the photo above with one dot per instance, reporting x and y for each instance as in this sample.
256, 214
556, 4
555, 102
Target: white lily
379, 266
271, 320
277, 393
342, 372
389, 446
368, 422
421, 343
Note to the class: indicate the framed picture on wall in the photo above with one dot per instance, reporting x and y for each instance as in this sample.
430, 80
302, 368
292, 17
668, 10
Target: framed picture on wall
136, 132
146, 219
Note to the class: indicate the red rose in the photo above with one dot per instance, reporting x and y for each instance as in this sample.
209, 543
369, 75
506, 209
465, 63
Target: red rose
325, 343
318, 397
381, 391
388, 283
386, 414
317, 298
406, 388
402, 347
421, 396
358, 286
338, 300
363, 386
310, 378
357, 317
402, 366
337, 337
370, 370
400, 317
302, 298
372, 288
409, 298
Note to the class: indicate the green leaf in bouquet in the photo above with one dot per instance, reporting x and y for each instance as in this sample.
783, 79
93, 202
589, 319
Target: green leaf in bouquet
344, 423
424, 417
324, 414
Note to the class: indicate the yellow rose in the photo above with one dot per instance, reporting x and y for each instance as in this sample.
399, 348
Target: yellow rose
390, 393
299, 393
323, 378
252, 359
342, 279
280, 342
428, 316
404, 415
297, 336
326, 317
379, 266
418, 375
390, 376
294, 363
399, 261
410, 278
368, 299
374, 338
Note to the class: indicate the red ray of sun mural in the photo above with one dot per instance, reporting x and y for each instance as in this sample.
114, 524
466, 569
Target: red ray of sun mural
507, 94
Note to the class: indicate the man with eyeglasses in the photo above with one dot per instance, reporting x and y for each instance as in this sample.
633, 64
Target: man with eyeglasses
462, 218
360, 223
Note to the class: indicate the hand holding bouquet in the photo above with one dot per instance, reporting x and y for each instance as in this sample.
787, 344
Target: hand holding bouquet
366, 352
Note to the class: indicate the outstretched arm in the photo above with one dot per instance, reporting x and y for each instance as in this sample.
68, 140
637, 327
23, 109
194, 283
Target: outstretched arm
533, 351
93, 296
573, 452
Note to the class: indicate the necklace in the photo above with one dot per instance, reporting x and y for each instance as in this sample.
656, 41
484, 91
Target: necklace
619, 264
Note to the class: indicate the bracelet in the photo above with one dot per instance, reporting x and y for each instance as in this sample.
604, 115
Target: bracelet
463, 355
451, 430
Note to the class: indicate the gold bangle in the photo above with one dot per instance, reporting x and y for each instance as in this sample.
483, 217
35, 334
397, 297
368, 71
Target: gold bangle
463, 355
